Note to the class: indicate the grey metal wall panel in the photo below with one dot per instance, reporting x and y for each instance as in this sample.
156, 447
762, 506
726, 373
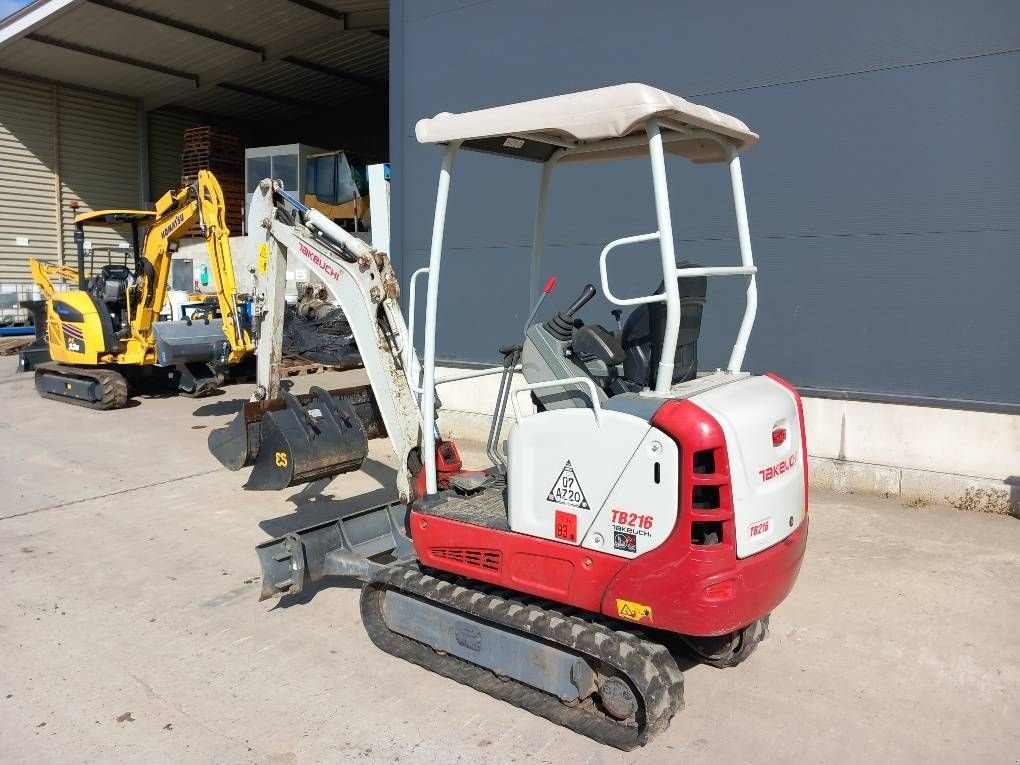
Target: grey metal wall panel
883, 196
166, 141
28, 207
98, 162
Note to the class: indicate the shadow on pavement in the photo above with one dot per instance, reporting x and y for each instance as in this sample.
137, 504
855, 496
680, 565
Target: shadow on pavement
312, 506
220, 408
312, 589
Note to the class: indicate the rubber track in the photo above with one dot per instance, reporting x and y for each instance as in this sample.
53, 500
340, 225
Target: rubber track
649, 667
202, 390
113, 385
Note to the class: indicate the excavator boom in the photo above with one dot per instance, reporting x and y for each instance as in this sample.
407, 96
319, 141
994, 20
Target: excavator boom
288, 438
176, 213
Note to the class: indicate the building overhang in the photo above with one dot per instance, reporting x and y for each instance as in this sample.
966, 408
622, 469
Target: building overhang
275, 59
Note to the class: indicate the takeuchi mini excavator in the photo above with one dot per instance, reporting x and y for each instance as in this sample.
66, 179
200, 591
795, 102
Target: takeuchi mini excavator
639, 507
107, 333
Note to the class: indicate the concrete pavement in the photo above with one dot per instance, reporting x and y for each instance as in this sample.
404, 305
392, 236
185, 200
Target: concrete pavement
130, 628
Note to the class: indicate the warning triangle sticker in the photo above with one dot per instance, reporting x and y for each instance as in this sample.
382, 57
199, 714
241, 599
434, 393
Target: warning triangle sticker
567, 489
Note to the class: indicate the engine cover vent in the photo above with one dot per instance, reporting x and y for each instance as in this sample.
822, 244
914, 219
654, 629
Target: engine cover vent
490, 560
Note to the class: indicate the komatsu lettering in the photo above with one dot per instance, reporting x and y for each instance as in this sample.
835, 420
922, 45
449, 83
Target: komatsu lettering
169, 229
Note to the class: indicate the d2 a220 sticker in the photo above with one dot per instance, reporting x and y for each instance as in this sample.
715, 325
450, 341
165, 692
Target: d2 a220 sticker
567, 489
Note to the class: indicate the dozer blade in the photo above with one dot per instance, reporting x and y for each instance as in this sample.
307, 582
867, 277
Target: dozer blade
343, 546
296, 439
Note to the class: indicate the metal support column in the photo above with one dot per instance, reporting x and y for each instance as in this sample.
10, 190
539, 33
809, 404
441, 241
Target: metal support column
746, 260
671, 332
428, 413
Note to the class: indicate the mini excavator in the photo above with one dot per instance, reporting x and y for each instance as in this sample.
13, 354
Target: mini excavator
639, 507
106, 334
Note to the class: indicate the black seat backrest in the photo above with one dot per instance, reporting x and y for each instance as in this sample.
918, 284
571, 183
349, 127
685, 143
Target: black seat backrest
120, 273
111, 287
642, 333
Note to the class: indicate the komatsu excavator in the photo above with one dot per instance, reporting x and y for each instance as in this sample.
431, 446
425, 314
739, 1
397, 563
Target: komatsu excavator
106, 333
639, 507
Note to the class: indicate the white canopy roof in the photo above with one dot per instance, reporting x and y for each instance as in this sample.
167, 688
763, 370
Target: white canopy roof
535, 129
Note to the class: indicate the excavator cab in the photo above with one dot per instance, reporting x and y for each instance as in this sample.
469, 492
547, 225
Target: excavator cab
338, 188
107, 274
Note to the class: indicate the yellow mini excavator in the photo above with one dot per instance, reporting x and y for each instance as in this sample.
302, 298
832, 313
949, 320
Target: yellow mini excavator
107, 333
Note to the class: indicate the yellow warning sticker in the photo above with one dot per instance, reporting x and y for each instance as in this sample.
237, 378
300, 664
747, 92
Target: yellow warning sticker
635, 612
263, 257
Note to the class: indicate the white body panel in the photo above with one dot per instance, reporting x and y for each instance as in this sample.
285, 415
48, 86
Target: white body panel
767, 481
611, 466
640, 512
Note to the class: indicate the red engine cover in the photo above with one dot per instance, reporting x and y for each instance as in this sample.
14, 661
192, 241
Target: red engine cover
683, 587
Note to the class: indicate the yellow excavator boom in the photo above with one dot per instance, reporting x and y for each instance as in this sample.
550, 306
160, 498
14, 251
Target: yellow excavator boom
176, 213
43, 273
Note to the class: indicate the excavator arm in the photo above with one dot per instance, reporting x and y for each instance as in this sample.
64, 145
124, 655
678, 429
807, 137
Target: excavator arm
176, 212
217, 240
284, 436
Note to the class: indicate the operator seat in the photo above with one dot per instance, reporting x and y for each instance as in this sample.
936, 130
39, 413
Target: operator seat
110, 286
642, 334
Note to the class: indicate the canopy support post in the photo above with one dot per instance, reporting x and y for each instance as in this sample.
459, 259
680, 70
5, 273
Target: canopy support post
746, 260
538, 242
671, 332
428, 409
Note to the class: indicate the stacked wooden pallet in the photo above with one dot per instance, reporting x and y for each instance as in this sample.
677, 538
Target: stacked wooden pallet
298, 366
11, 345
292, 365
209, 148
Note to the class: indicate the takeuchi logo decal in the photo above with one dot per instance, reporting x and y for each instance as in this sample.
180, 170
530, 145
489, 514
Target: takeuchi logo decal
772, 471
172, 225
327, 267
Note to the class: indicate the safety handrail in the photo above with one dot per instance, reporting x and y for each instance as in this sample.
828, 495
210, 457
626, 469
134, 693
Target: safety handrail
680, 272
716, 271
604, 275
596, 407
468, 375
410, 322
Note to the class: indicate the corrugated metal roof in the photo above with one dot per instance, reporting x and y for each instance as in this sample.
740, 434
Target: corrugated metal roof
133, 48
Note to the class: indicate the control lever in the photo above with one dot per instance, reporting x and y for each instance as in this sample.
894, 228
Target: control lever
586, 294
511, 358
561, 326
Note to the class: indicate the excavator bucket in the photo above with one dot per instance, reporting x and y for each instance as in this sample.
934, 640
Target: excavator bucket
296, 439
